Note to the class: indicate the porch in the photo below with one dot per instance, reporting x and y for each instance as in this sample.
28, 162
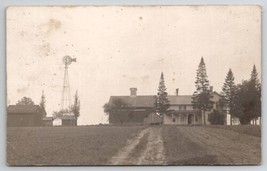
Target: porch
183, 117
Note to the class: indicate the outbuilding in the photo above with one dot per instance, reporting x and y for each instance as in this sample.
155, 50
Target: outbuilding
69, 120
24, 115
48, 121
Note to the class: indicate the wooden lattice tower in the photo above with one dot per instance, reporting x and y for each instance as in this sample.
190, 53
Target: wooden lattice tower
66, 98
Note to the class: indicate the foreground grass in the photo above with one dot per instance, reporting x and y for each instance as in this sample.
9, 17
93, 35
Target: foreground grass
181, 150
254, 130
96, 145
88, 145
212, 145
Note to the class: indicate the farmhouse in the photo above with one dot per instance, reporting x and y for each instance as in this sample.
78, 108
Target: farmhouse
135, 109
24, 115
181, 111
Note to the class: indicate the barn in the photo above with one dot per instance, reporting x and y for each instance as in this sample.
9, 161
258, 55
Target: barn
135, 109
24, 115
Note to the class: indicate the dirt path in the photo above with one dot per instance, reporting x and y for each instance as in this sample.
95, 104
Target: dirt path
154, 152
145, 149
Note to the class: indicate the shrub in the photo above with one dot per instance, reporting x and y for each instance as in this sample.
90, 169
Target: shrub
216, 118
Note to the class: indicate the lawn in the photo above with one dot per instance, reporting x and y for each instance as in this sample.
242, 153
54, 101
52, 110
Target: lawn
85, 145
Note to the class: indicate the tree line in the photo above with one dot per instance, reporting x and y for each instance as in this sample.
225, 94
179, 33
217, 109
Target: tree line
242, 101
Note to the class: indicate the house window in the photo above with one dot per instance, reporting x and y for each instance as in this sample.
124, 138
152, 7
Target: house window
196, 118
173, 119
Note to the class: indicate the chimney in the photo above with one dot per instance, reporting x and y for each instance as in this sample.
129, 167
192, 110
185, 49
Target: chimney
177, 92
133, 92
211, 88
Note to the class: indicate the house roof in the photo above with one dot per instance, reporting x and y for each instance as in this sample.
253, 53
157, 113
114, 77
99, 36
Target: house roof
137, 101
22, 108
180, 100
148, 101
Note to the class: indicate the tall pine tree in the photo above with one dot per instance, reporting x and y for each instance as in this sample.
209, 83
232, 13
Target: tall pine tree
75, 108
255, 93
254, 79
202, 95
42, 104
228, 93
162, 103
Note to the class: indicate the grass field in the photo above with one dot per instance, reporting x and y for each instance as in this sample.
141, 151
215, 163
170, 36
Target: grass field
134, 145
87, 145
212, 145
253, 130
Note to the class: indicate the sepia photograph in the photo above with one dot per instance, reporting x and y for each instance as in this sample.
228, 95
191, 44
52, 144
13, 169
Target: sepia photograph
133, 85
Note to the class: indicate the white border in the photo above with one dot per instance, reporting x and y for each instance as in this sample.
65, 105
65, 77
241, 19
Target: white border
5, 3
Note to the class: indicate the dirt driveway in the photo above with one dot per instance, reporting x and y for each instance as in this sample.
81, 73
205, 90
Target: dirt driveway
145, 149
189, 145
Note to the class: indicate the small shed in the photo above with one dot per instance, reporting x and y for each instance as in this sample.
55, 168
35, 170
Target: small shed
69, 120
48, 121
24, 115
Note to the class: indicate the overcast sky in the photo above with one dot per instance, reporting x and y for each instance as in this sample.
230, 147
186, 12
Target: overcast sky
122, 47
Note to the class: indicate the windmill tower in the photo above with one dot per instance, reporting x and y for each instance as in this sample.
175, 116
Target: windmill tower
66, 98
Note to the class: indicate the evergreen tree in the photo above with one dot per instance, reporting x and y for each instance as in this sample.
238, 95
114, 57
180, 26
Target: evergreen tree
255, 93
228, 93
42, 104
162, 103
76, 107
202, 95
248, 95
254, 79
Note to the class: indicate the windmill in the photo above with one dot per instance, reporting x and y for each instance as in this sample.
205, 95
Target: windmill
66, 98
